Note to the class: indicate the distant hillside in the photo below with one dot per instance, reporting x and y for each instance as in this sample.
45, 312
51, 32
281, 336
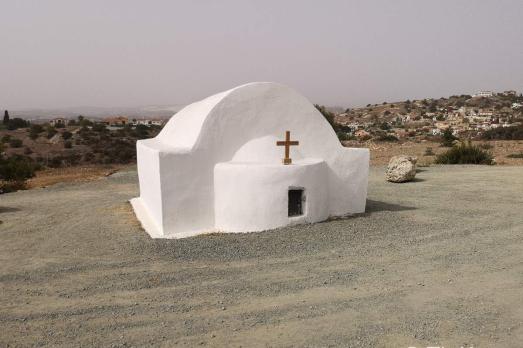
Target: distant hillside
499, 103
151, 111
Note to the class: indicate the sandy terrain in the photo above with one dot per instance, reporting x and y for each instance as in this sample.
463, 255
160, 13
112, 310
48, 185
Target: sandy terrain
433, 262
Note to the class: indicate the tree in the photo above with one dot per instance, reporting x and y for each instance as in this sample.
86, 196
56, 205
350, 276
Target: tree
16, 123
329, 116
35, 130
141, 131
448, 138
16, 168
67, 135
51, 131
6, 117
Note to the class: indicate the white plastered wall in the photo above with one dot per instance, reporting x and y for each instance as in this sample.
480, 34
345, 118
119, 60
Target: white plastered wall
211, 131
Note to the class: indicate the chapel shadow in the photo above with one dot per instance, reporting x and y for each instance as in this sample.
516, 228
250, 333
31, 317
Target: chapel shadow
378, 206
287, 241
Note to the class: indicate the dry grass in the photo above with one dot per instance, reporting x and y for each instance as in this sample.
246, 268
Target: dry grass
380, 152
53, 176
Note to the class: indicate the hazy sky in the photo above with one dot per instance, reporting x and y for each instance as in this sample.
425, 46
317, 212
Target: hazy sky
58, 53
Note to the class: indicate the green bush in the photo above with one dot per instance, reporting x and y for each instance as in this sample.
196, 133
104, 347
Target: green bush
465, 153
35, 130
504, 133
99, 127
448, 138
51, 131
16, 123
342, 136
387, 137
141, 131
67, 135
16, 168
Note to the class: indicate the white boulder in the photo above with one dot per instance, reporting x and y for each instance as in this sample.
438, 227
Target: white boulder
401, 168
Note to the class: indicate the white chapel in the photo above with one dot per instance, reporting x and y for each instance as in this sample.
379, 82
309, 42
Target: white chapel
253, 158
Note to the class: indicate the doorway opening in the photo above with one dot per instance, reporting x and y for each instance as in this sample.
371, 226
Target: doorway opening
295, 202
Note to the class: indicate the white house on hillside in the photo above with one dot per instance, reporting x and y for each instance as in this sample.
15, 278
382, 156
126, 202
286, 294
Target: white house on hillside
484, 94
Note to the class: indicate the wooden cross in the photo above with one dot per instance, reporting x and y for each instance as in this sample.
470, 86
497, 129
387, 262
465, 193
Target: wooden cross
287, 143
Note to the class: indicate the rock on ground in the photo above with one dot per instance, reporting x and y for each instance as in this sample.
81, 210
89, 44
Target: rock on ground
401, 168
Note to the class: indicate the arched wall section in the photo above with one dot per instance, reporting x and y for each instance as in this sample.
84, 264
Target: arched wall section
209, 132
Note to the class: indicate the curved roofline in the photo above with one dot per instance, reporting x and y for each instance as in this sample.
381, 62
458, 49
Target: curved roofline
192, 118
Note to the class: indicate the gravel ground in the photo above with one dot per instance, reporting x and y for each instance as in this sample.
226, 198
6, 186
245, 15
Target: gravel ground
435, 262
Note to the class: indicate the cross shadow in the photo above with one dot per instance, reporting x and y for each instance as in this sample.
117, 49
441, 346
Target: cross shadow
377, 206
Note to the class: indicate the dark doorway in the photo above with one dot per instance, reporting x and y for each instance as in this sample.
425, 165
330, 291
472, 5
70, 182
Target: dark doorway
295, 202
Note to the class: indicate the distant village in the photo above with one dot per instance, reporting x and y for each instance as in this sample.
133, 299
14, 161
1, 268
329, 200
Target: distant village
468, 116
116, 121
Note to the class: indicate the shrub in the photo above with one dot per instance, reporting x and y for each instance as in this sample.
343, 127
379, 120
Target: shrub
35, 130
55, 162
504, 133
5, 138
68, 144
15, 142
515, 155
99, 127
16, 123
465, 153
342, 136
141, 131
11, 186
16, 168
51, 131
387, 137
67, 135
448, 138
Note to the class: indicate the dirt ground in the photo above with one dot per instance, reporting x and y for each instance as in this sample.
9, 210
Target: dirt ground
381, 152
435, 262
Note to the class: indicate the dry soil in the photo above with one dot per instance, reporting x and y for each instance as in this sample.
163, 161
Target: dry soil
435, 262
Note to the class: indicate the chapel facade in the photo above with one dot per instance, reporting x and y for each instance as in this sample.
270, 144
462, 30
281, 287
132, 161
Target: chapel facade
256, 157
